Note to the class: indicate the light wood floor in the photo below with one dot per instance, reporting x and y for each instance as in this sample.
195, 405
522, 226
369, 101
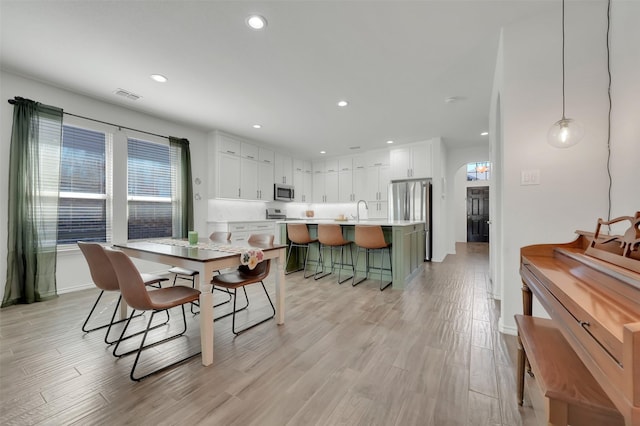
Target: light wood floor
429, 355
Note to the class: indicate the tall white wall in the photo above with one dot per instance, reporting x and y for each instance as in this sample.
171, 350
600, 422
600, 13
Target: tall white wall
573, 182
72, 273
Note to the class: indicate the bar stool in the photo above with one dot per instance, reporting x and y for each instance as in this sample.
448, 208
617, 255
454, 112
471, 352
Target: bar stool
371, 239
330, 235
298, 235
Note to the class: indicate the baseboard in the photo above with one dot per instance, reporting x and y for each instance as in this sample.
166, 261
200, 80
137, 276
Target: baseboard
511, 330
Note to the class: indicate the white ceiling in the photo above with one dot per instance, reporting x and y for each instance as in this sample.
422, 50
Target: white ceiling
394, 61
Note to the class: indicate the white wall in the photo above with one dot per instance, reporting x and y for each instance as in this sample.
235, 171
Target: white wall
72, 273
573, 190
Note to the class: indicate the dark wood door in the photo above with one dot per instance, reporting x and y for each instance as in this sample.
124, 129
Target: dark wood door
478, 214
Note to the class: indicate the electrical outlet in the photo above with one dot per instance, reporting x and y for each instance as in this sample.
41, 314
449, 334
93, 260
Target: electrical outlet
530, 177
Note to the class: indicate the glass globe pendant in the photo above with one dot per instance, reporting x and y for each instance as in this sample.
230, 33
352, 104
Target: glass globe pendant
565, 132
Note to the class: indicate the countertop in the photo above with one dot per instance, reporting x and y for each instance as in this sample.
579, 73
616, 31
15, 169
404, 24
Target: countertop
352, 222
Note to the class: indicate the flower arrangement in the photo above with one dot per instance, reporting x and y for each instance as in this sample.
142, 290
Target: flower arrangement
251, 257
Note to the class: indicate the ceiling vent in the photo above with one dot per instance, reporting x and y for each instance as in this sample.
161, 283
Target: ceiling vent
127, 94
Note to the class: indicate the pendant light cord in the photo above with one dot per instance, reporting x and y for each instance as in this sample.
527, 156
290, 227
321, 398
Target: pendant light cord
610, 107
563, 117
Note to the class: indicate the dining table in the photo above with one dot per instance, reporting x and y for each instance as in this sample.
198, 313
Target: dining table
207, 256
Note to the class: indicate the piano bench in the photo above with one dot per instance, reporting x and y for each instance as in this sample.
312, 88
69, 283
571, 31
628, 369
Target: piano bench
573, 397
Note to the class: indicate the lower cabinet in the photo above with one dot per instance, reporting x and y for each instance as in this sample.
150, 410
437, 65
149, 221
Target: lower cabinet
240, 231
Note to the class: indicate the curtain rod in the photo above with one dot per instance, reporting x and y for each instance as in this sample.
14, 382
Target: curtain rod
12, 102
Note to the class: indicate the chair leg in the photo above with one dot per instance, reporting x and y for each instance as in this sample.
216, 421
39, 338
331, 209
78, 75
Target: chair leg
233, 318
383, 286
340, 281
354, 282
124, 330
143, 347
321, 263
246, 298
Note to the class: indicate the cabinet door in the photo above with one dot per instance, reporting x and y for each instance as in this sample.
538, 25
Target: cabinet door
308, 187
421, 160
283, 169
384, 177
228, 176
298, 183
400, 163
248, 179
229, 145
318, 187
331, 187
265, 181
371, 193
249, 151
360, 184
345, 186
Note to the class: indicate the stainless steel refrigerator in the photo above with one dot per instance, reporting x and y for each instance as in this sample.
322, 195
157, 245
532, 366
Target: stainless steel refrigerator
410, 199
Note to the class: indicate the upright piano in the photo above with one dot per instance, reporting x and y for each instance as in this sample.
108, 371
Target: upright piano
591, 290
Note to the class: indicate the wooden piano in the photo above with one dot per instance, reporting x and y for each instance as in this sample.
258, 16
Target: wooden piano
591, 290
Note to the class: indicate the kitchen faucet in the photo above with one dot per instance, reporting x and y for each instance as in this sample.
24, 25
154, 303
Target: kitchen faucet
358, 208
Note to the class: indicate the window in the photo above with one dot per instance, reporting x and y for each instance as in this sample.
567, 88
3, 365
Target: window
85, 185
149, 189
478, 171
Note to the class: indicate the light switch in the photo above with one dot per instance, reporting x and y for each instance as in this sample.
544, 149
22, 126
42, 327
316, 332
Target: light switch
530, 177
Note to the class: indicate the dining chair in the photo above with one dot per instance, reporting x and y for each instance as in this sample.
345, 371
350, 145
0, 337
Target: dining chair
244, 276
104, 277
139, 298
190, 275
370, 238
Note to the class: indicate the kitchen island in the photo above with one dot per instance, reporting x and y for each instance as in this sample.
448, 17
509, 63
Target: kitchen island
407, 250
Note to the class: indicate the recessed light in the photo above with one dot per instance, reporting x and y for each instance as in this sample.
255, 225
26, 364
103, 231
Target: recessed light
323, 152
389, 142
159, 78
257, 126
256, 22
484, 133
343, 103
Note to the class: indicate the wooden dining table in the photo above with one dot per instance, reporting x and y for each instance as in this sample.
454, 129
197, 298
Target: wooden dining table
207, 257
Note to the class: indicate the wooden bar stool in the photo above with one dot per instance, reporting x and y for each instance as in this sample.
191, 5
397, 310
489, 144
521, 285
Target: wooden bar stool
370, 238
298, 235
330, 235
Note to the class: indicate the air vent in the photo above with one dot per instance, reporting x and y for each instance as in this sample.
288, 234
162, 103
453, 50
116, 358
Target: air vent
354, 147
127, 94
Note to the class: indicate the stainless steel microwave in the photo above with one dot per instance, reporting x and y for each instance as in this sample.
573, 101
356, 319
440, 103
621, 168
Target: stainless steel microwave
282, 192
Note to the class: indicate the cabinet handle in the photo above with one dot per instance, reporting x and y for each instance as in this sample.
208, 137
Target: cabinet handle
231, 152
250, 157
238, 192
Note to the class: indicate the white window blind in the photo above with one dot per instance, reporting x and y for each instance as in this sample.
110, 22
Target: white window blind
85, 186
149, 190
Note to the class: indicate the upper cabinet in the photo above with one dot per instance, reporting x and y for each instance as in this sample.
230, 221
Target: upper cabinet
302, 181
283, 170
411, 161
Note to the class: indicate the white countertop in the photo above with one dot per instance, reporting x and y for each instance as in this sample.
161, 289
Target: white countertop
351, 222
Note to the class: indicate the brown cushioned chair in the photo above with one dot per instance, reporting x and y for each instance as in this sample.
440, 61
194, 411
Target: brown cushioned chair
242, 277
330, 235
370, 238
104, 277
139, 299
298, 235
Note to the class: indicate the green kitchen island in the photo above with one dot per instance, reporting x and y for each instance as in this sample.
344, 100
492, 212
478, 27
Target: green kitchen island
407, 249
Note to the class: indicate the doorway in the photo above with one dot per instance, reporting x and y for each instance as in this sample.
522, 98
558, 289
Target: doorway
478, 214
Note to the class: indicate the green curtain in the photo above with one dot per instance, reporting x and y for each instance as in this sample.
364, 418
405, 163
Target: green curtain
34, 174
186, 186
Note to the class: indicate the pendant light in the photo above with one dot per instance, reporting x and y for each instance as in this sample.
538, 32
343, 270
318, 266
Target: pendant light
565, 132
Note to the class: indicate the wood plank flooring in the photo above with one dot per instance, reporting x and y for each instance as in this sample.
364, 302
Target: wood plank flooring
428, 355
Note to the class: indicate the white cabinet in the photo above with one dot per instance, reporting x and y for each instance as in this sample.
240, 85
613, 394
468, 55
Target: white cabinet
411, 161
302, 181
377, 158
283, 170
377, 183
325, 181
228, 176
345, 180
241, 231
244, 170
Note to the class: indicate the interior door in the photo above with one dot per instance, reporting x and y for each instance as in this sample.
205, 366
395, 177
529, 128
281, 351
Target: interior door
478, 214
